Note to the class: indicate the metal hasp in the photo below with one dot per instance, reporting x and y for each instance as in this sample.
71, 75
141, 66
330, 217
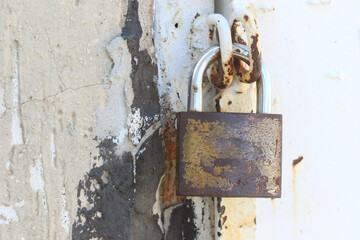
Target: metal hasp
229, 154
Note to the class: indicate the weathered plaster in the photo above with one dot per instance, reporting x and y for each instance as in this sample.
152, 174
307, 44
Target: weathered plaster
52, 69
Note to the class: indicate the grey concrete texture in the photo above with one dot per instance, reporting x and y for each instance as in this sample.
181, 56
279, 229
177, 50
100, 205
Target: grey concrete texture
63, 174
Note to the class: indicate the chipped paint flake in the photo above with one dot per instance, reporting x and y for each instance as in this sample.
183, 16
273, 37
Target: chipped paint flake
64, 213
37, 182
142, 150
157, 208
7, 215
135, 123
36, 177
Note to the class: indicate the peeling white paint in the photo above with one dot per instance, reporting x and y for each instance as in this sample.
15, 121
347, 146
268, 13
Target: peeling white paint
135, 123
65, 222
17, 137
36, 177
8, 215
157, 209
37, 182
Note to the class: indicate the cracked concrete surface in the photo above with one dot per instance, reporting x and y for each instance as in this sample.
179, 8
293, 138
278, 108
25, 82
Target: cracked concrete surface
53, 69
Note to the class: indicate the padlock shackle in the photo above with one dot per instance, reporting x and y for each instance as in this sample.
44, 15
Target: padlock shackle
240, 52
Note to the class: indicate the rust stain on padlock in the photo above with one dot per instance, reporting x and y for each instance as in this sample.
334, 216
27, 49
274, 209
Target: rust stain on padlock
229, 154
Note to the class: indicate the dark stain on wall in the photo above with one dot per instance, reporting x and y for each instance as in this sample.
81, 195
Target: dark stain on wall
121, 208
109, 191
182, 224
144, 71
149, 169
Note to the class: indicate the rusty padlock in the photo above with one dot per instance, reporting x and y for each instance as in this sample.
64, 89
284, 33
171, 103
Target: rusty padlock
228, 154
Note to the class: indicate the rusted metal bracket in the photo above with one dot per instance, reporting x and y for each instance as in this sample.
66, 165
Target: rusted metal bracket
252, 32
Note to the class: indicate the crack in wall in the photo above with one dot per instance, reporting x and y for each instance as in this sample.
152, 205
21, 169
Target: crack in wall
54, 58
52, 95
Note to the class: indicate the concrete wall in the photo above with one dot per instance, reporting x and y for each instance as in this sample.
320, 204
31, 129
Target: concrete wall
88, 93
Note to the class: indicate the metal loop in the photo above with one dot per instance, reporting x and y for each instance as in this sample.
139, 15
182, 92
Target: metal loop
252, 33
240, 52
227, 61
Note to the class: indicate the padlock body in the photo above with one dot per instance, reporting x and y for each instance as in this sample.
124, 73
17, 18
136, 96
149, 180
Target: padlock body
229, 154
